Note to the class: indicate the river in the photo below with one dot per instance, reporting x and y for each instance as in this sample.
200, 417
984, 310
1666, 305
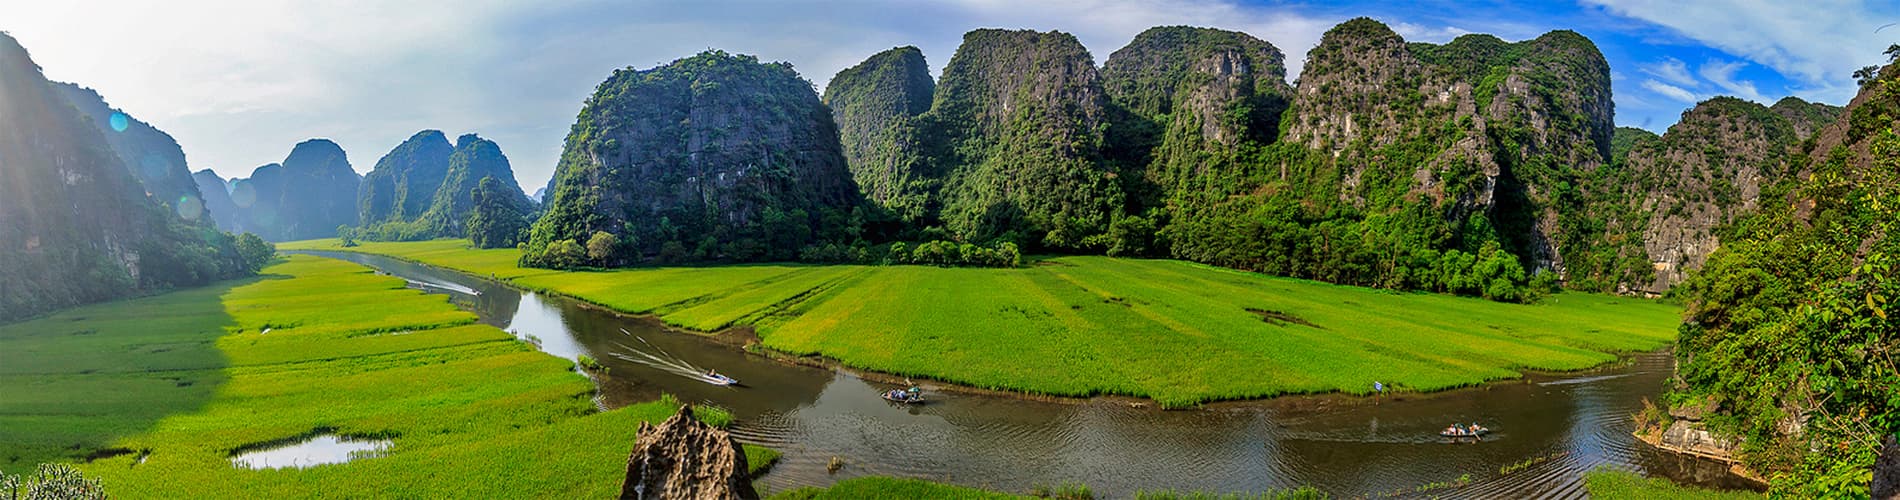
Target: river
1347, 446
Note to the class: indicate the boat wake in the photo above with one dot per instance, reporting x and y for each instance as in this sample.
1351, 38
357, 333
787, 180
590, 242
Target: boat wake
659, 359
445, 286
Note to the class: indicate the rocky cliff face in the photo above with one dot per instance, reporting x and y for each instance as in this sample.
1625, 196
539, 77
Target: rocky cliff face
1189, 99
1806, 117
876, 105
75, 225
473, 159
307, 196
403, 184
217, 196
717, 155
1477, 126
1707, 171
1020, 116
685, 459
151, 154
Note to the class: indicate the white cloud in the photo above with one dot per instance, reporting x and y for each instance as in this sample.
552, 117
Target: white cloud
1671, 70
1817, 42
1422, 33
1722, 74
1670, 91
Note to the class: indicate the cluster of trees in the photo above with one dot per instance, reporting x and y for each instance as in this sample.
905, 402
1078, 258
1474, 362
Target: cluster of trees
950, 253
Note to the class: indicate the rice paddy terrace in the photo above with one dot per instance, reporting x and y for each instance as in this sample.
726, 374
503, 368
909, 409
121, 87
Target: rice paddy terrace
1176, 332
162, 396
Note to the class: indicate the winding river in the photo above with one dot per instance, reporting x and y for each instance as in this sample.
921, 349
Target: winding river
1347, 446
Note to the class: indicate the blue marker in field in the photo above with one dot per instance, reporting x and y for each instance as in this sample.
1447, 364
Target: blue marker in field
1378, 386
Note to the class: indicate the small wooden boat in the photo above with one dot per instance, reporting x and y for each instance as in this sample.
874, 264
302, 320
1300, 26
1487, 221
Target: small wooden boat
717, 379
904, 398
1454, 434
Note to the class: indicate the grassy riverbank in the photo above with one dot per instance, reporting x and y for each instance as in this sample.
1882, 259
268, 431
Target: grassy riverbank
1611, 484
161, 391
1174, 331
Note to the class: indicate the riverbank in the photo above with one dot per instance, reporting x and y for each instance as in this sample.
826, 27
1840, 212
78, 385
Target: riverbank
1175, 332
155, 395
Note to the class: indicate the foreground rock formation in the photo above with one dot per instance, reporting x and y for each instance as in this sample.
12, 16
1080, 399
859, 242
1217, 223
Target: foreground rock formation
684, 458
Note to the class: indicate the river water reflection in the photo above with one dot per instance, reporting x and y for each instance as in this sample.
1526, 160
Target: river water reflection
1346, 446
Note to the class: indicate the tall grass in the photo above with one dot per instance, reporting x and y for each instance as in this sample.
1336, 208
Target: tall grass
1177, 332
187, 378
1612, 484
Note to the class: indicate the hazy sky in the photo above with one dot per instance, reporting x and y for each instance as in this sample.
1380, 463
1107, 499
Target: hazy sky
238, 83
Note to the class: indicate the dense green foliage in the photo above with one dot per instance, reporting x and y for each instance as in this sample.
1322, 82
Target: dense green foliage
1791, 324
876, 105
714, 157
1375, 183
405, 181
1017, 123
425, 189
179, 381
76, 225
1177, 332
1186, 103
497, 220
475, 160
1611, 484
255, 251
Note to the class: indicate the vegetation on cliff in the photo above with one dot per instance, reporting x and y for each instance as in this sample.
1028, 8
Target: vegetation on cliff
404, 182
1791, 333
876, 106
714, 157
1019, 119
76, 225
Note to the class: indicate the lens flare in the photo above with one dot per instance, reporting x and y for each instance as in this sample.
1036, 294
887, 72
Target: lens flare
243, 194
120, 122
190, 207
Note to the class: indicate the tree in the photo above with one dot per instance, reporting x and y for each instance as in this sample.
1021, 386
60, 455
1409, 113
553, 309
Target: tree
602, 248
347, 234
495, 222
1866, 75
255, 251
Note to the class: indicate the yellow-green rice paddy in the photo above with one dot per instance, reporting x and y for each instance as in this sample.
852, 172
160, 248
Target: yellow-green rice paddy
154, 395
1177, 332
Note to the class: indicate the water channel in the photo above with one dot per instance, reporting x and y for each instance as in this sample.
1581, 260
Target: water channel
1349, 447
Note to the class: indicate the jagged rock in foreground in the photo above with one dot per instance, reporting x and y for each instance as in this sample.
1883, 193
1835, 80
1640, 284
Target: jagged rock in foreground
1887, 471
684, 458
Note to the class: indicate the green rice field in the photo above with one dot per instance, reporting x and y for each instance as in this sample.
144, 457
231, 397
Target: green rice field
1177, 332
154, 395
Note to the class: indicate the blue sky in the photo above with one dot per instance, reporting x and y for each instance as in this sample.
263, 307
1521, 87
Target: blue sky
238, 83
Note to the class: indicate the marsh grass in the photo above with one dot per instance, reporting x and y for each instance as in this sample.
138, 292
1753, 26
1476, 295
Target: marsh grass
1612, 484
1176, 332
190, 377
